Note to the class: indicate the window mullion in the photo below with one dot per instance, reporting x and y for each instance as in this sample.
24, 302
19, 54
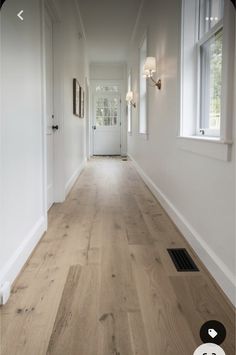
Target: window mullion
211, 33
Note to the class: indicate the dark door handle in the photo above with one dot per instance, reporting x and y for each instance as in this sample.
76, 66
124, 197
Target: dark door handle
94, 127
55, 128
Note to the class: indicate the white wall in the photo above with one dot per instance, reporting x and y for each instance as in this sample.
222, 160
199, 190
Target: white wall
22, 150
114, 72
75, 66
198, 192
107, 71
22, 182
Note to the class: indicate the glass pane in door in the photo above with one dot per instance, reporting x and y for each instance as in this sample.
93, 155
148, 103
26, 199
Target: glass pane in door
106, 111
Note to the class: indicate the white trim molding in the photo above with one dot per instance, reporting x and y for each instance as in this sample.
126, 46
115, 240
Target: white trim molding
15, 264
209, 147
70, 183
220, 272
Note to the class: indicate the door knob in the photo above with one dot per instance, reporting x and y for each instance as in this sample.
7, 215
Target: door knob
55, 128
94, 127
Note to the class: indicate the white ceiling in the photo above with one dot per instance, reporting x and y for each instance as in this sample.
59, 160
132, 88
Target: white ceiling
108, 27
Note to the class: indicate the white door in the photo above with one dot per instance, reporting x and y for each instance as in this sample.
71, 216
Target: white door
49, 108
106, 124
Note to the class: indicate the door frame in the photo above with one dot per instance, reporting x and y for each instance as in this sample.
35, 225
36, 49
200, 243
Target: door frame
87, 115
48, 24
52, 9
123, 129
117, 127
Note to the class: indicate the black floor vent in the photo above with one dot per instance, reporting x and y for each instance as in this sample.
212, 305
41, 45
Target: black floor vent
182, 260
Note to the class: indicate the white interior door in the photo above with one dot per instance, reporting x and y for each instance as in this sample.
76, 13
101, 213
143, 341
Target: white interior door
49, 108
106, 124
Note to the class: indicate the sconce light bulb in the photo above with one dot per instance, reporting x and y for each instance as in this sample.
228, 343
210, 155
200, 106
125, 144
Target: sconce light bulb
129, 96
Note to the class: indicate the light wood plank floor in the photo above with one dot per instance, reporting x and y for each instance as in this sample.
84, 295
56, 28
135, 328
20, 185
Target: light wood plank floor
101, 282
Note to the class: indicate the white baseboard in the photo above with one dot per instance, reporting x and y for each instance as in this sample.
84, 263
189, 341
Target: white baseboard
14, 266
220, 272
70, 183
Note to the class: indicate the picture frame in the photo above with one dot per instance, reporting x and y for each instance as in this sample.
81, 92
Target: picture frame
76, 98
81, 102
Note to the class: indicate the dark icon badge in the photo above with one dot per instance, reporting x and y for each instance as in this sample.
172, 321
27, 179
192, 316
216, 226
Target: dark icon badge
213, 331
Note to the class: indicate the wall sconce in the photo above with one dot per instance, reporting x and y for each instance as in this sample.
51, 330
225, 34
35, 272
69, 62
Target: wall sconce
150, 67
130, 98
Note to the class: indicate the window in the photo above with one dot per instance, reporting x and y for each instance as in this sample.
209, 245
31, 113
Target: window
207, 64
210, 46
142, 89
211, 84
107, 88
210, 13
129, 107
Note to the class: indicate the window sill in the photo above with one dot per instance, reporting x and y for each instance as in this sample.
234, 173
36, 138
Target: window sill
214, 148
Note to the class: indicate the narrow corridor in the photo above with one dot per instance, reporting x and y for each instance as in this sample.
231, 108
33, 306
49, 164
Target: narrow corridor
101, 281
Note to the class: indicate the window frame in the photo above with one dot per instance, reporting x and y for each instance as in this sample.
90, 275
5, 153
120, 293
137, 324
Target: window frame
219, 26
144, 39
220, 146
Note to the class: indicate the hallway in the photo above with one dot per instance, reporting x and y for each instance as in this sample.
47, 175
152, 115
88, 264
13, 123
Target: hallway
101, 281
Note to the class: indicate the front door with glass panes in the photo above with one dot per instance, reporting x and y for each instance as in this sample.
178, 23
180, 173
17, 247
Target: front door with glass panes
106, 124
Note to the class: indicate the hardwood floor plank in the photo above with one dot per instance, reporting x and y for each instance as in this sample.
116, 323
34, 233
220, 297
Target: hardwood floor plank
118, 292
159, 225
64, 314
137, 231
166, 328
116, 267
77, 317
94, 256
137, 331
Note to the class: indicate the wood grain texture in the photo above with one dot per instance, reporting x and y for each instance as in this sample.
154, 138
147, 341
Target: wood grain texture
101, 281
77, 316
62, 329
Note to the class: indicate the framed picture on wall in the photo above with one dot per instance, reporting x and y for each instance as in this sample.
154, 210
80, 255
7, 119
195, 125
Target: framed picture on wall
81, 102
76, 98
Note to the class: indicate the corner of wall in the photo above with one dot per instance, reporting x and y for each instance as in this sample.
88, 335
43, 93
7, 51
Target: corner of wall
70, 183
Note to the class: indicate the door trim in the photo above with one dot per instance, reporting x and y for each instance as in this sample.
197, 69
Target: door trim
87, 107
48, 24
52, 9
